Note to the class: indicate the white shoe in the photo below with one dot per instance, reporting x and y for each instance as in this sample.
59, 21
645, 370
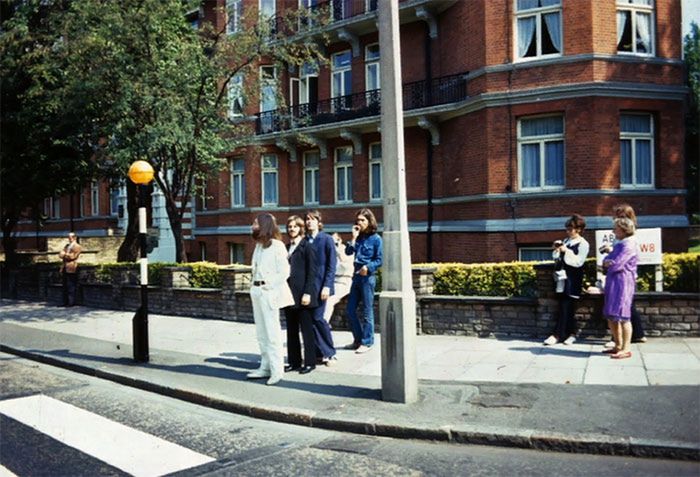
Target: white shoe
258, 374
362, 349
332, 361
570, 340
552, 340
274, 380
609, 345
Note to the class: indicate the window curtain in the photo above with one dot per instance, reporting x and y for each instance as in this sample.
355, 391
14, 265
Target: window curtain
526, 34
621, 20
643, 34
635, 123
270, 184
626, 162
554, 28
542, 126
643, 162
527, 4
530, 175
554, 163
376, 181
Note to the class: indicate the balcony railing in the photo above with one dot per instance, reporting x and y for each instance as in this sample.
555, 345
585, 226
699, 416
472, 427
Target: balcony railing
416, 95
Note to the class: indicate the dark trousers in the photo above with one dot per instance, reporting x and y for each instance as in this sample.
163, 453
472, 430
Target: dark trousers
322, 333
296, 318
566, 322
70, 284
637, 327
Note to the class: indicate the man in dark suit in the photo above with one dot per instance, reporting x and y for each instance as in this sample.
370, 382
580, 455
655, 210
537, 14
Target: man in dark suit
302, 281
326, 256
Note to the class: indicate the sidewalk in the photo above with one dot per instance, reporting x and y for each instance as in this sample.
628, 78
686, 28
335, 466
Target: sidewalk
487, 391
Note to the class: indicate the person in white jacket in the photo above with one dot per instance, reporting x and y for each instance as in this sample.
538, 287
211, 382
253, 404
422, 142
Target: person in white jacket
269, 293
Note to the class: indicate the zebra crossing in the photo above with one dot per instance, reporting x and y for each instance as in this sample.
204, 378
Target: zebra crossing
68, 440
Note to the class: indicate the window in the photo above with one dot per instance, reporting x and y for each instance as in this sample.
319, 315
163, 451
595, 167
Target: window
375, 171
372, 84
202, 195
237, 168
235, 96
343, 174
52, 207
236, 253
341, 79
541, 153
636, 150
114, 194
83, 210
268, 10
535, 254
234, 14
635, 28
268, 98
94, 198
311, 177
203, 251
270, 193
538, 26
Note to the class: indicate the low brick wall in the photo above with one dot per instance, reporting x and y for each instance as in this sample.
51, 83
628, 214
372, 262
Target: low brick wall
663, 314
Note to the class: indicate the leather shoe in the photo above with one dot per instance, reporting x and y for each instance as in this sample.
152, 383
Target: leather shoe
306, 369
289, 367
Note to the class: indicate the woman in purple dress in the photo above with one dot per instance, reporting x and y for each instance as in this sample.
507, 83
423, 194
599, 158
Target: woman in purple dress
620, 284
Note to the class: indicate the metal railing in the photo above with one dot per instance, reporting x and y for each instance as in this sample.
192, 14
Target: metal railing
416, 95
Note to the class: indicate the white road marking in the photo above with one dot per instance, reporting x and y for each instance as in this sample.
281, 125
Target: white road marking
130, 450
5, 472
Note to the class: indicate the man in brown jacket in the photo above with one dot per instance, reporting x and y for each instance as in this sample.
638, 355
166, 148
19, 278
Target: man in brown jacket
69, 269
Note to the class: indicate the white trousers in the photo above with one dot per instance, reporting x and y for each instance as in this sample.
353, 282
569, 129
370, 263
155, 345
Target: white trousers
269, 333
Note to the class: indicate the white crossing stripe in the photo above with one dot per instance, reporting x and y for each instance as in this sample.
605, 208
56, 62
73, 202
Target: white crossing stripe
130, 450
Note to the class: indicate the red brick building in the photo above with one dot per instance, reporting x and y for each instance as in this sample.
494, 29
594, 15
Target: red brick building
517, 114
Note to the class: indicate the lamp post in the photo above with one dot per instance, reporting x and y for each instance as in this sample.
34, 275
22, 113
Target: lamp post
141, 174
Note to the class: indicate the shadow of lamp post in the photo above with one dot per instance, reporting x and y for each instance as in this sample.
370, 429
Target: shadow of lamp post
141, 174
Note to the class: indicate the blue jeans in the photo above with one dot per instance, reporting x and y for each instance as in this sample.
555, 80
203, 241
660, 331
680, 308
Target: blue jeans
362, 289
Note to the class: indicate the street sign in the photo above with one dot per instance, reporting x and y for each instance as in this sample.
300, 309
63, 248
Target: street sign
648, 245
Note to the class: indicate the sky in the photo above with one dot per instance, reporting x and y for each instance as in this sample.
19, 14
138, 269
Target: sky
691, 12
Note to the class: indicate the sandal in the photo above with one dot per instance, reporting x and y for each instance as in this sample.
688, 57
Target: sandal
610, 351
621, 355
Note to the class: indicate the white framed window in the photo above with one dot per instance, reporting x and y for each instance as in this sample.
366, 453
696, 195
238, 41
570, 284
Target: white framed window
202, 199
375, 171
371, 5
341, 79
236, 253
311, 177
304, 89
268, 10
203, 251
270, 185
636, 151
343, 174
237, 168
635, 27
52, 207
541, 153
234, 15
235, 96
538, 26
372, 81
310, 9
268, 98
94, 198
534, 254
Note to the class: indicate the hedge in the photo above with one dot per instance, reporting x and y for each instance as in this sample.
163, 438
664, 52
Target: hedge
681, 274
204, 275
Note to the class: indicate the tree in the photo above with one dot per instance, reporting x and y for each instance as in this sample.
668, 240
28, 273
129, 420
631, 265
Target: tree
40, 156
692, 59
158, 87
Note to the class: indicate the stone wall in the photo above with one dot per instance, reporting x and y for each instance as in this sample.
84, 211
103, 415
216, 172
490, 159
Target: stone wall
664, 314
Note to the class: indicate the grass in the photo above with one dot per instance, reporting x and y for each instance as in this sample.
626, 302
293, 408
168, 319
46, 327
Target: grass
694, 245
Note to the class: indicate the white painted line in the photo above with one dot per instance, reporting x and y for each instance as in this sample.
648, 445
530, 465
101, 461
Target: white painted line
128, 449
4, 472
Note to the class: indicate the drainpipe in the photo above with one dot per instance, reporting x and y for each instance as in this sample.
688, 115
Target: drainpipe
429, 148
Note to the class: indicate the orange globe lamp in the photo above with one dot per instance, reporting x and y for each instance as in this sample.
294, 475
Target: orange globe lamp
141, 173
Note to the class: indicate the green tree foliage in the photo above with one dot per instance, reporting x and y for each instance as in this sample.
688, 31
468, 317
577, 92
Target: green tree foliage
156, 88
692, 59
41, 153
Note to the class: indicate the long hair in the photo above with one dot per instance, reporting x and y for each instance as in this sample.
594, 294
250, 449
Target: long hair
316, 214
267, 229
372, 221
626, 211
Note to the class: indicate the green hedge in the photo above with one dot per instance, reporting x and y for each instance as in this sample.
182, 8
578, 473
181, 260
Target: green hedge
486, 279
204, 275
681, 274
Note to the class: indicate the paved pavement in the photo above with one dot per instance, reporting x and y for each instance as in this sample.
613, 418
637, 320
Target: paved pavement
512, 392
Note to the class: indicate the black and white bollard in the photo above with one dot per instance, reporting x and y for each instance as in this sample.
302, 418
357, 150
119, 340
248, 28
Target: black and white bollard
140, 321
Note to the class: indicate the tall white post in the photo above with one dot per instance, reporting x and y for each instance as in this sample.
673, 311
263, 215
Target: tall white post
397, 301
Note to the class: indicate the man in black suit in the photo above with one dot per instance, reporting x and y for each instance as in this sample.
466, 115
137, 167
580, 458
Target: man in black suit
302, 281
